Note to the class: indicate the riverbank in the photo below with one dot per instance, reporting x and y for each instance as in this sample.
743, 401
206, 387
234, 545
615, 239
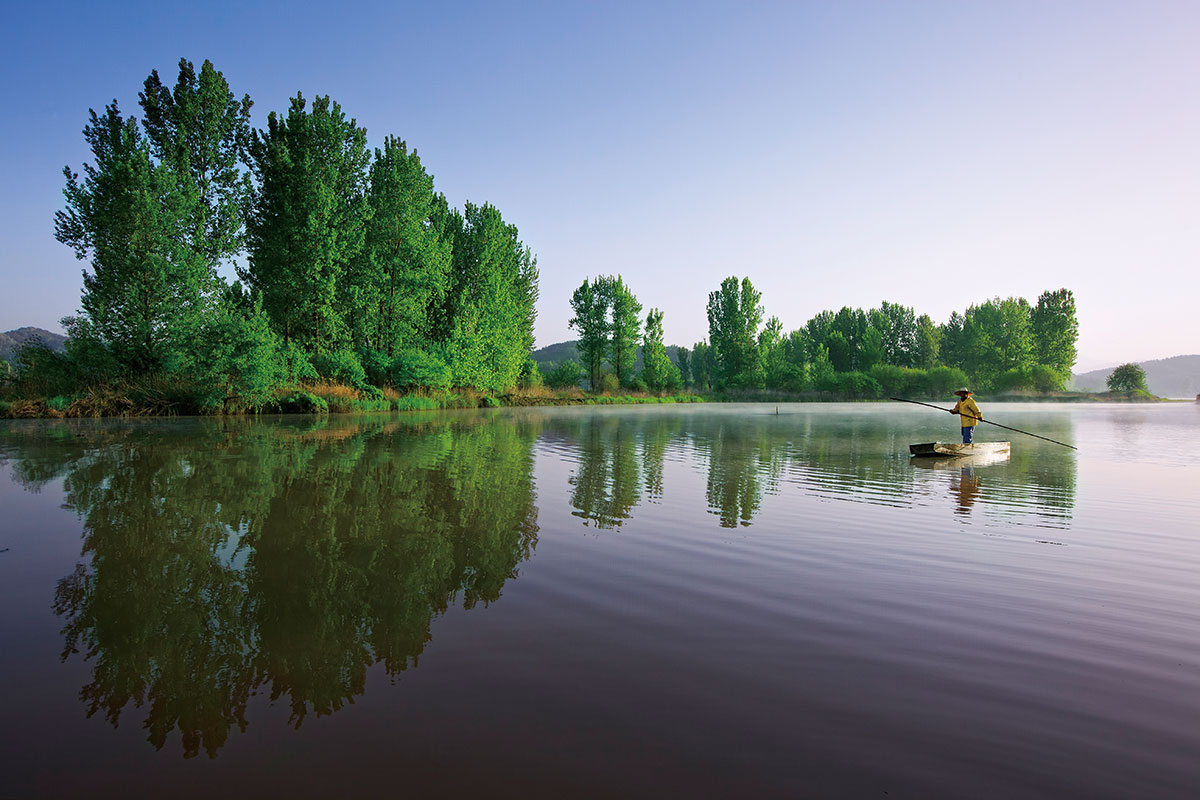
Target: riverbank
161, 398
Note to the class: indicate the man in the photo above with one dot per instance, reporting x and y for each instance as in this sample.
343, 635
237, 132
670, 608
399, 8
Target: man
968, 412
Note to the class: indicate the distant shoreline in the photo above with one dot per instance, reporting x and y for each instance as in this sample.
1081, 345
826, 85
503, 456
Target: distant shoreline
339, 399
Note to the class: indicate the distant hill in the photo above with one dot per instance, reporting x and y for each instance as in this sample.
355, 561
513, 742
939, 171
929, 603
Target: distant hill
1178, 376
11, 340
567, 351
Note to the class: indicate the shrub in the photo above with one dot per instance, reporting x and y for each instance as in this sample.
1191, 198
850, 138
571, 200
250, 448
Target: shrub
941, 381
609, 383
296, 364
377, 365
301, 402
340, 365
1047, 379
565, 375
859, 385
531, 375
412, 369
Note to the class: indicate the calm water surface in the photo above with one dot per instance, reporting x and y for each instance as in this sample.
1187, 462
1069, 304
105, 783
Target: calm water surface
690, 601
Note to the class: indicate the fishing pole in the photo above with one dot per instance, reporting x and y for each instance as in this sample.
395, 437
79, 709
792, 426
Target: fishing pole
988, 421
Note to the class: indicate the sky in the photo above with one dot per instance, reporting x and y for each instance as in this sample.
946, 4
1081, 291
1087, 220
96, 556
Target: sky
841, 153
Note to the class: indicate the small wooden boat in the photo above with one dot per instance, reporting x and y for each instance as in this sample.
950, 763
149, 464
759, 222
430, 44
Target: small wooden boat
954, 449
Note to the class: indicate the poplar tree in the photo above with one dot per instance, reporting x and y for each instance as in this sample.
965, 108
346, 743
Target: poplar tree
734, 317
657, 370
590, 304
307, 221
405, 266
624, 330
203, 133
494, 287
126, 216
1055, 331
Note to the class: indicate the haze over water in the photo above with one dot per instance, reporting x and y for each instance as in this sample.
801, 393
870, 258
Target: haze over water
704, 600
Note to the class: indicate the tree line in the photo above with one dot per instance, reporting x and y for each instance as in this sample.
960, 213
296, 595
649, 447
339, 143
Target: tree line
998, 345
350, 266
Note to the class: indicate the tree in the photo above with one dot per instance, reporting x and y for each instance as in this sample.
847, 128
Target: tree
657, 371
928, 343
624, 329
494, 286
590, 304
1055, 330
683, 358
1127, 378
203, 133
897, 326
129, 217
702, 366
307, 221
734, 317
404, 270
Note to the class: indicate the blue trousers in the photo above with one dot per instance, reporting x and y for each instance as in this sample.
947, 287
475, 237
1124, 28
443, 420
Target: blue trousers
967, 433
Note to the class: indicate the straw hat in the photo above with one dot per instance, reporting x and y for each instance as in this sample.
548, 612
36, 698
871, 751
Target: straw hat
963, 392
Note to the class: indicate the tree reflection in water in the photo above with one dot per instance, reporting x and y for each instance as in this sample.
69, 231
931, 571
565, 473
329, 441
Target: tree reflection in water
287, 557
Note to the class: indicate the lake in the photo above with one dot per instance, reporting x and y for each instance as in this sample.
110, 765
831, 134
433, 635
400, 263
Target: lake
701, 601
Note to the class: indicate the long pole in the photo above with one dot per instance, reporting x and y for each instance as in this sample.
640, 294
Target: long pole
988, 421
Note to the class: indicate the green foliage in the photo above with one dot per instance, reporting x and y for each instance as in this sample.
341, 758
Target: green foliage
307, 222
624, 328
38, 371
129, 217
566, 375
234, 360
1127, 378
684, 361
202, 131
342, 366
531, 375
297, 366
404, 272
701, 366
859, 385
734, 317
1055, 330
658, 373
491, 301
590, 306
941, 381
412, 369
376, 365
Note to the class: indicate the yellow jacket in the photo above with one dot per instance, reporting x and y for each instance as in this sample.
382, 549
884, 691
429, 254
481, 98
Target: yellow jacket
964, 407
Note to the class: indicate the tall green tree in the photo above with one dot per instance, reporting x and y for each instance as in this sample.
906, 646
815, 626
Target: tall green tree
307, 222
1055, 330
202, 131
590, 306
493, 289
624, 330
701, 366
734, 317
684, 359
128, 217
897, 326
404, 270
657, 371
928, 343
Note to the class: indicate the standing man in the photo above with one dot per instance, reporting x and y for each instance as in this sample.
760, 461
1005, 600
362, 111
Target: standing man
968, 412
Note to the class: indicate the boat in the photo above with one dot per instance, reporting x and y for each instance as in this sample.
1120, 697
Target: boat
954, 449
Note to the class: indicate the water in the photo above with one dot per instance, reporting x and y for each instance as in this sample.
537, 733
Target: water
689, 601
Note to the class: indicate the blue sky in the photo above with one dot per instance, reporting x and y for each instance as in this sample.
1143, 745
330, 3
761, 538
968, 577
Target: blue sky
838, 153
